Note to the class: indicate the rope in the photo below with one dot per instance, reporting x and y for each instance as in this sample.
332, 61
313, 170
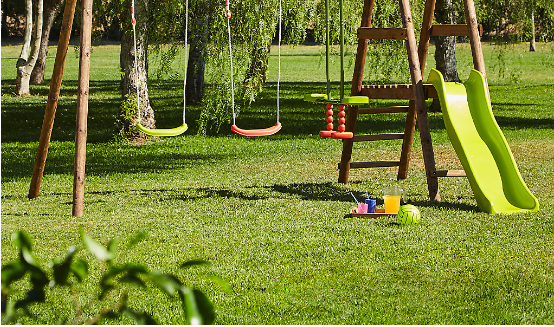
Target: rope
228, 14
134, 23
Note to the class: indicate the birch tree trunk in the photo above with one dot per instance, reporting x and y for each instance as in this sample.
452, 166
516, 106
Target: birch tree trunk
30, 49
128, 79
51, 10
532, 44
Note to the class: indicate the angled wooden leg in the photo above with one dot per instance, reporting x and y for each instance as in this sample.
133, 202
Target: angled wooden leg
422, 119
346, 158
407, 143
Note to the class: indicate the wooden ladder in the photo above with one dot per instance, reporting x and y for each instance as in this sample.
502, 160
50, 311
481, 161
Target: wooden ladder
416, 92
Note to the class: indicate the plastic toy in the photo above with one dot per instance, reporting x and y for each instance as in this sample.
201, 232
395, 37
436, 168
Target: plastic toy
408, 215
482, 148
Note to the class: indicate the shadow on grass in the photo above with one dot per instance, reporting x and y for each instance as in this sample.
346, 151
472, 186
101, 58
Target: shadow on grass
447, 205
100, 162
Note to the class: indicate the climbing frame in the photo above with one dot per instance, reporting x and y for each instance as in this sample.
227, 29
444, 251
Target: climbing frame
416, 92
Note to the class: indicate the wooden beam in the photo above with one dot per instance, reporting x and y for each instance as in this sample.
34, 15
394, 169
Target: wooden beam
357, 80
475, 39
420, 105
368, 33
82, 110
53, 96
378, 137
374, 164
383, 110
450, 30
401, 91
449, 173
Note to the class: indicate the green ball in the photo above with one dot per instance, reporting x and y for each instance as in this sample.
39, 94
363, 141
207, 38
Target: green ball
408, 215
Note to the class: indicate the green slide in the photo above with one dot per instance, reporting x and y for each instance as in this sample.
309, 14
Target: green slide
481, 146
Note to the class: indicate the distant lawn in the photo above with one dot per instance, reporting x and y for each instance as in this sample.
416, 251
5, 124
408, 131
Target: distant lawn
268, 212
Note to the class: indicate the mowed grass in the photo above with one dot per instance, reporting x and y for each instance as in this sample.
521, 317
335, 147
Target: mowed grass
268, 212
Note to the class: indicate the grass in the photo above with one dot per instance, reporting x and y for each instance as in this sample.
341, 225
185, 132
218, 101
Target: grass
268, 212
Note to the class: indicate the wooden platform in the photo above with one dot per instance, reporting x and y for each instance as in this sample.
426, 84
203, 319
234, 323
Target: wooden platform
379, 213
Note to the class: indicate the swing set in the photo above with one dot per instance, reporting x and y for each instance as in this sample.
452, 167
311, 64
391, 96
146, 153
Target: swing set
83, 95
480, 164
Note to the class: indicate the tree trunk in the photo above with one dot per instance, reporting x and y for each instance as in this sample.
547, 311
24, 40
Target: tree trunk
29, 51
532, 45
128, 79
51, 10
445, 47
195, 72
198, 42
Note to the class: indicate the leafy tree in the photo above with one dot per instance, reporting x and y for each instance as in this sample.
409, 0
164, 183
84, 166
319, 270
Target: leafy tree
518, 20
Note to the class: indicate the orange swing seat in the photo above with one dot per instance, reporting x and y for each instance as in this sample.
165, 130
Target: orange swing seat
256, 132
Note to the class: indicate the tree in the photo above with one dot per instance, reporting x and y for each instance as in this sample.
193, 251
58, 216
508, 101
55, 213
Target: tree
51, 10
30, 49
445, 46
129, 89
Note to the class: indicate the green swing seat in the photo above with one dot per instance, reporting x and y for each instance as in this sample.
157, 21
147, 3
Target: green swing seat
163, 131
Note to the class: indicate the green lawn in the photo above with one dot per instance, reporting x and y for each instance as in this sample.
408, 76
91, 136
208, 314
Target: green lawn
268, 212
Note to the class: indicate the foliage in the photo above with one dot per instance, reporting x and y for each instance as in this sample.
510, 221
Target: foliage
117, 282
510, 20
127, 111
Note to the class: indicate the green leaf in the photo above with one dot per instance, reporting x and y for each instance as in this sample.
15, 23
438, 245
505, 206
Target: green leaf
191, 263
12, 272
61, 269
112, 244
221, 282
192, 312
22, 240
28, 258
166, 283
95, 248
205, 307
132, 279
137, 238
80, 269
141, 318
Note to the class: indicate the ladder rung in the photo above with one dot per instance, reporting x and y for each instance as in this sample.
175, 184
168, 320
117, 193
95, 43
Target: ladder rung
449, 173
453, 30
370, 33
383, 110
373, 164
450, 30
378, 137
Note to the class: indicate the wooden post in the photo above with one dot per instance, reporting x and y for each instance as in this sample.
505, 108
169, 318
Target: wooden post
409, 129
53, 95
82, 110
475, 38
357, 80
420, 106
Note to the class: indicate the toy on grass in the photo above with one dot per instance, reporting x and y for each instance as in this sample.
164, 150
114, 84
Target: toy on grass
408, 215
